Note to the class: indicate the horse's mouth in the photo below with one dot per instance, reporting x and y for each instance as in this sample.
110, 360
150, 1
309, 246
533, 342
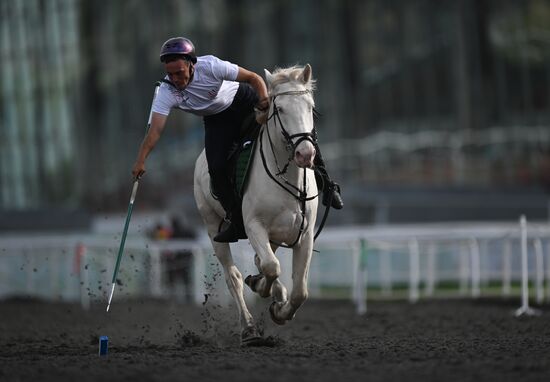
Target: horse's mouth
304, 164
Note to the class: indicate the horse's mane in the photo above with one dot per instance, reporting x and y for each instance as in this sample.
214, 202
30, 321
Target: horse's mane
291, 74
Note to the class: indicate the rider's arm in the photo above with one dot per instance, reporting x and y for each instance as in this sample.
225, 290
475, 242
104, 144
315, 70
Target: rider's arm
257, 83
158, 121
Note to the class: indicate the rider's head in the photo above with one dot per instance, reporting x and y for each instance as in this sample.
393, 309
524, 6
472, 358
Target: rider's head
178, 47
178, 56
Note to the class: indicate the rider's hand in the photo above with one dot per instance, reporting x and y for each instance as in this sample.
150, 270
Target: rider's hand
261, 117
262, 110
138, 170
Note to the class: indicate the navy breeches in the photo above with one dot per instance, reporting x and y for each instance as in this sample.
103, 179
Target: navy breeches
221, 136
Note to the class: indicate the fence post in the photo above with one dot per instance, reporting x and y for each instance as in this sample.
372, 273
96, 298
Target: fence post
156, 271
524, 309
362, 278
29, 259
199, 270
539, 271
463, 271
475, 267
84, 278
385, 271
358, 293
414, 269
484, 267
548, 271
507, 268
53, 258
430, 270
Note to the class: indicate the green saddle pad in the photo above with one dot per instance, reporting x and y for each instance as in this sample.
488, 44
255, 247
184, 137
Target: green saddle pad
242, 166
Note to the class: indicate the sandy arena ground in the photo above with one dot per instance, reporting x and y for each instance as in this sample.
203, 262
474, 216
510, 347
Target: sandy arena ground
153, 340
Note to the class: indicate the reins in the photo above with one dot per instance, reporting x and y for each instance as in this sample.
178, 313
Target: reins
301, 197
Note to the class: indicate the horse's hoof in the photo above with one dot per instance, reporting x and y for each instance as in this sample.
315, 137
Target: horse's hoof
251, 336
251, 281
272, 314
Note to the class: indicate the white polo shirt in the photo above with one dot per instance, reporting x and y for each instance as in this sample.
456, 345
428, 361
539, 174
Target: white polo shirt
211, 91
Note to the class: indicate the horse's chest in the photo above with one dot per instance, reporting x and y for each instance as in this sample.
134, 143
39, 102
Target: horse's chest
286, 226
277, 211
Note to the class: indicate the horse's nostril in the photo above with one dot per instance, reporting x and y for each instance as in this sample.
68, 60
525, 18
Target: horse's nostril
305, 160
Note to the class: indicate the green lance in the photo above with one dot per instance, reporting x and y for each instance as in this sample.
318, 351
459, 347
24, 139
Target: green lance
129, 214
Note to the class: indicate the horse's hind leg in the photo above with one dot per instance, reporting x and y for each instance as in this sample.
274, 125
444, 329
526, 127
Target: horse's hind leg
301, 259
233, 278
234, 281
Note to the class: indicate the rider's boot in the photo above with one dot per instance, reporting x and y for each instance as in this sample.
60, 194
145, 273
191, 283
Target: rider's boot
331, 190
232, 228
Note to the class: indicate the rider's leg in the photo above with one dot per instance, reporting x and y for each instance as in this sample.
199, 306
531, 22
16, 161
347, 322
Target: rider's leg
222, 132
223, 189
219, 141
331, 190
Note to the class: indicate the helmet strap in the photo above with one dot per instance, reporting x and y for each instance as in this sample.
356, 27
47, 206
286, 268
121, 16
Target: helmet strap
191, 71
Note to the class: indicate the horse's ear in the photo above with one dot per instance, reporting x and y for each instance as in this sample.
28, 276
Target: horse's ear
268, 76
306, 74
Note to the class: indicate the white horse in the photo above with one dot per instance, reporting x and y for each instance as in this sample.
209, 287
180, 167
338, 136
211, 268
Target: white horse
278, 209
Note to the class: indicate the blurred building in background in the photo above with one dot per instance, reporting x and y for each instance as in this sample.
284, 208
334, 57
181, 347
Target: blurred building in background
414, 94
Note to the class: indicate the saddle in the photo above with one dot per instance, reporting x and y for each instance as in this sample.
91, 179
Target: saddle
241, 157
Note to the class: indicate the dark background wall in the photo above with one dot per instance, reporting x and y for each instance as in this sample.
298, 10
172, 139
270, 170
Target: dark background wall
418, 97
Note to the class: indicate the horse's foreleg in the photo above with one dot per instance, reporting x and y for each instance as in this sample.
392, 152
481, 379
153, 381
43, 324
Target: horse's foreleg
267, 263
234, 281
301, 258
278, 290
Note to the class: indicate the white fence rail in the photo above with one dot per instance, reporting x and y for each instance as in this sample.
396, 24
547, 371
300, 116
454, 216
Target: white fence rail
421, 261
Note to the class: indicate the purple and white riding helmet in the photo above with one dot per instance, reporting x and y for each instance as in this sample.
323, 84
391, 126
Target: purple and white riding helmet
178, 45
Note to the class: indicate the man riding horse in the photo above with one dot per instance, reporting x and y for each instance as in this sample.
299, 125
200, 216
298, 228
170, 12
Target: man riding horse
224, 94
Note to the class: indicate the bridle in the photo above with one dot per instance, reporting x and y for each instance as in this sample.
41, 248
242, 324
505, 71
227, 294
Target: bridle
291, 146
307, 136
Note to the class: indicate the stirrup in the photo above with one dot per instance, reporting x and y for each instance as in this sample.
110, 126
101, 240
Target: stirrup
231, 234
333, 196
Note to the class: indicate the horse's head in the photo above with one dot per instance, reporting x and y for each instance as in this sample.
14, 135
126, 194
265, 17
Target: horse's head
291, 111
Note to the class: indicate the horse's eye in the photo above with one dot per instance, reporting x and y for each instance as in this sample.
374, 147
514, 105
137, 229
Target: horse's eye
279, 109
